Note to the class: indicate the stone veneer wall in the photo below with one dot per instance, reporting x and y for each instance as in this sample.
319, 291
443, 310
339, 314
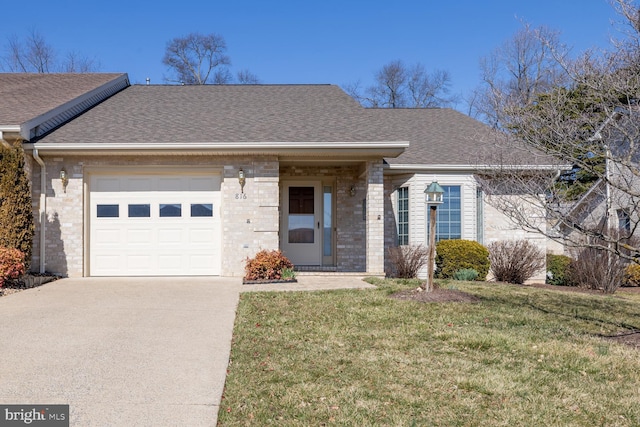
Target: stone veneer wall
249, 224
375, 218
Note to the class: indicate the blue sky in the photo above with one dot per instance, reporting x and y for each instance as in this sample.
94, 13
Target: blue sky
329, 41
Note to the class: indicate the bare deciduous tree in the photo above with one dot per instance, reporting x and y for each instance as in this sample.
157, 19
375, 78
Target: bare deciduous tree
247, 77
197, 59
35, 55
595, 114
399, 86
516, 72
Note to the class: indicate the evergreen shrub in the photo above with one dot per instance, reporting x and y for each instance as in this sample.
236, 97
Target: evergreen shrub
466, 274
16, 215
558, 269
454, 255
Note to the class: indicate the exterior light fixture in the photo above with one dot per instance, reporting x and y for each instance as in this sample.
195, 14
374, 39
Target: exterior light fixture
352, 191
434, 196
64, 178
242, 180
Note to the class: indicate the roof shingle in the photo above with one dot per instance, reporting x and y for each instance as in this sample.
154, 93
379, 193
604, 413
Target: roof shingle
24, 96
222, 113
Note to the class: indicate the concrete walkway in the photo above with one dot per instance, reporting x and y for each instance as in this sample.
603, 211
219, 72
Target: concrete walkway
127, 351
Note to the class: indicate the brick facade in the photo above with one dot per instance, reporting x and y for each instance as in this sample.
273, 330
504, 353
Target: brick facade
250, 218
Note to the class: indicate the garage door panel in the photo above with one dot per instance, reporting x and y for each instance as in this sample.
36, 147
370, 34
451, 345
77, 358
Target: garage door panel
139, 184
204, 184
171, 184
201, 235
170, 236
139, 262
140, 236
107, 236
106, 184
145, 244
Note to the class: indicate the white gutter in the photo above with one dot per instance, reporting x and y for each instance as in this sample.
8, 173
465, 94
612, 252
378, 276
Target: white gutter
460, 168
382, 148
43, 208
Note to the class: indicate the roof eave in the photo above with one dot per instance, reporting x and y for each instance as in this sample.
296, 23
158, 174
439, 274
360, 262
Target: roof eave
337, 149
411, 168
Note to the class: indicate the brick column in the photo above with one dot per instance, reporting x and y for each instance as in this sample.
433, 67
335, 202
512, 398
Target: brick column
375, 218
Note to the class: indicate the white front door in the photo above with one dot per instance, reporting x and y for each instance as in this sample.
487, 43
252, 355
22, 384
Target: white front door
300, 236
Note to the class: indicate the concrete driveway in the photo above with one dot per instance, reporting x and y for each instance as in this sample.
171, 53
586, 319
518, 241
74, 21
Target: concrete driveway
120, 352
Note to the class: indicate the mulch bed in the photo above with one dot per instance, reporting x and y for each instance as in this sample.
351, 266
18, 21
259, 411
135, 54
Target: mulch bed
631, 339
437, 295
28, 281
263, 282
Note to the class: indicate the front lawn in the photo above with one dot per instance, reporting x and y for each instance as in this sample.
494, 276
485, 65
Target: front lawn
521, 356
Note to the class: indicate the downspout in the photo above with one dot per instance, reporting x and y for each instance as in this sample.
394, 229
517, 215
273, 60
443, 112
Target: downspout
4, 142
43, 208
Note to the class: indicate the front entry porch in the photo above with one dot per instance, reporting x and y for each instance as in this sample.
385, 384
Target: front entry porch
332, 217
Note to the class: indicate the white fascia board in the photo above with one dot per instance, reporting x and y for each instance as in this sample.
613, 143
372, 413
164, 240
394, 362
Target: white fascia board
471, 168
9, 128
377, 148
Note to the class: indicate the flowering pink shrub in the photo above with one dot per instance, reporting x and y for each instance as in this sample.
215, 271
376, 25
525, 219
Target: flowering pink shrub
11, 264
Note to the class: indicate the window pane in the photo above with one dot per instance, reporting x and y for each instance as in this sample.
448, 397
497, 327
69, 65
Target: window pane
327, 221
139, 211
170, 210
403, 216
201, 209
108, 211
301, 200
449, 222
301, 228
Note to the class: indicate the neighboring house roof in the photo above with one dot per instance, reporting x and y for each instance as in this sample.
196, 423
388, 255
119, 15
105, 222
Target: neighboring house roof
447, 139
32, 104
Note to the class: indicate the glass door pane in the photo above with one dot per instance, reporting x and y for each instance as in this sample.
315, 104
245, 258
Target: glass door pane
328, 222
301, 215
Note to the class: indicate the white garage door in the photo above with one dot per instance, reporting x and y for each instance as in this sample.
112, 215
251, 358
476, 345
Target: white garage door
154, 225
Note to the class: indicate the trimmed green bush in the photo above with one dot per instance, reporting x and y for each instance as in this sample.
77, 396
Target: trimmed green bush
454, 255
466, 274
558, 269
11, 264
16, 215
267, 265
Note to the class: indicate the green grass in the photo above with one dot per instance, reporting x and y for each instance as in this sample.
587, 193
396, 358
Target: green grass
520, 357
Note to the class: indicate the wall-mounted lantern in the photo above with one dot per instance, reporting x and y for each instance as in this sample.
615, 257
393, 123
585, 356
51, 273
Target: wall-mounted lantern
352, 191
242, 180
64, 178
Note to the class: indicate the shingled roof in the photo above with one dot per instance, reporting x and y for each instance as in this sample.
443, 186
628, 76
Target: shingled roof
445, 137
24, 96
223, 113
